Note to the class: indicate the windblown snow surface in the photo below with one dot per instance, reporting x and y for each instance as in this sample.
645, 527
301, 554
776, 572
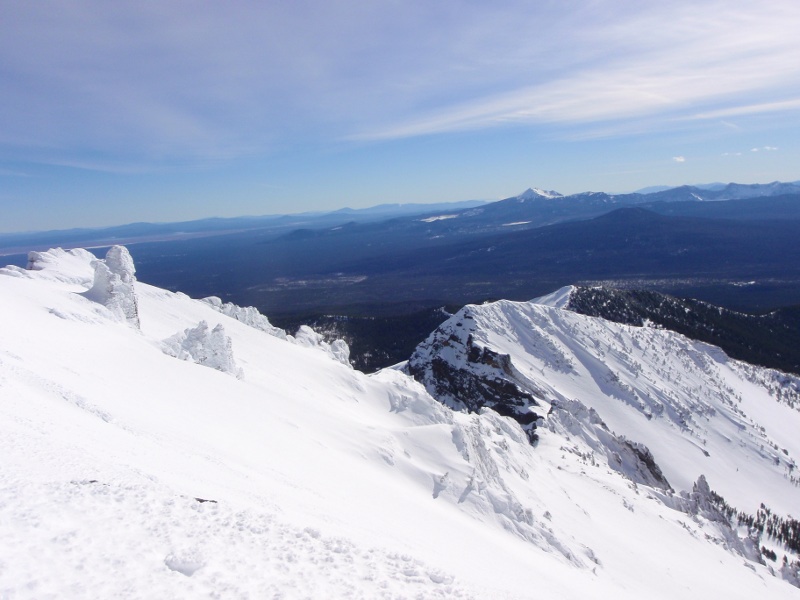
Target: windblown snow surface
131, 466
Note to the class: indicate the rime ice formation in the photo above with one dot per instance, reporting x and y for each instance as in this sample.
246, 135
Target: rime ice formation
113, 285
210, 348
305, 336
68, 266
337, 349
248, 315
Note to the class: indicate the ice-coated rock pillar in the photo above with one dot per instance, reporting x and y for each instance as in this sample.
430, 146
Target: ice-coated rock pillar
113, 285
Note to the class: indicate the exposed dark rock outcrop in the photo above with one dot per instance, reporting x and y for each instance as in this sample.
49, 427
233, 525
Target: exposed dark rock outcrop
466, 376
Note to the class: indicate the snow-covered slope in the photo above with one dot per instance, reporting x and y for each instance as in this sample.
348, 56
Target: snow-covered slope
127, 472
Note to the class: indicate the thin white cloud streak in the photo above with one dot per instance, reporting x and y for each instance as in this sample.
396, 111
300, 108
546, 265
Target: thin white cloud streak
696, 56
750, 109
679, 159
753, 150
101, 165
12, 173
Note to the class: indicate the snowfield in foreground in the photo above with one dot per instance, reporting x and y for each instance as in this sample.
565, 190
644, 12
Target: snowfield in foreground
156, 446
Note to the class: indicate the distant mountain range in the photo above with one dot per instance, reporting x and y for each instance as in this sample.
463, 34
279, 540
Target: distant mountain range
532, 208
536, 208
11, 243
714, 187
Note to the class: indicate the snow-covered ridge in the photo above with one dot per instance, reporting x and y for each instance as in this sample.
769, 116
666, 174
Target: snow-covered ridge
766, 340
558, 299
125, 469
698, 412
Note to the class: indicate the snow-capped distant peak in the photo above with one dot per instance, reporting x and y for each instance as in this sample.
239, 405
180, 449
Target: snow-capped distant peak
534, 193
558, 299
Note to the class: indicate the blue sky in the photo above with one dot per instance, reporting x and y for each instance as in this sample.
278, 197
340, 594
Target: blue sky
113, 112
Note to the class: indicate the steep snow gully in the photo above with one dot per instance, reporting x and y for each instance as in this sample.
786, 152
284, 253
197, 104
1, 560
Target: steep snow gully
156, 446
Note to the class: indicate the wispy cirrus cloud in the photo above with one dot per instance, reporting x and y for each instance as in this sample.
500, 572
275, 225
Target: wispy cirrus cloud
170, 82
12, 173
673, 61
679, 159
749, 109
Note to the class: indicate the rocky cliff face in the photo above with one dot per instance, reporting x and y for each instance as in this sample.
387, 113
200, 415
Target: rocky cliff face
467, 376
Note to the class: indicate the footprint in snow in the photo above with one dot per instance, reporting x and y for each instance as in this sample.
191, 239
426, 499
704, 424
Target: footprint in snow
186, 562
